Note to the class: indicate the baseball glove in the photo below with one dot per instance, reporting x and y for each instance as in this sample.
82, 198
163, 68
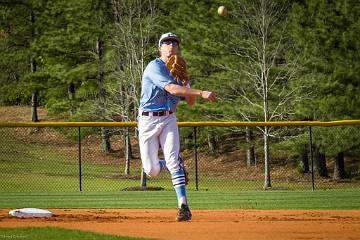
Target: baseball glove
177, 68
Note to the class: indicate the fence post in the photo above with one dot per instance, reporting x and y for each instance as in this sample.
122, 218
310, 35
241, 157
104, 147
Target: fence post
312, 159
196, 161
79, 158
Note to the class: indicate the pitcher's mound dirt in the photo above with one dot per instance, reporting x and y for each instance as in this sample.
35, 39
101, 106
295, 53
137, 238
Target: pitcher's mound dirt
206, 224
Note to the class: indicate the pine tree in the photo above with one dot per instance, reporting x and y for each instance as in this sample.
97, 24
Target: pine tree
326, 33
14, 62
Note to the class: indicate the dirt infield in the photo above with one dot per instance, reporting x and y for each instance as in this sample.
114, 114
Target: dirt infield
206, 224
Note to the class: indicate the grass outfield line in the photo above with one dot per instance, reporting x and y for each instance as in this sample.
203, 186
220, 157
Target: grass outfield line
335, 199
56, 234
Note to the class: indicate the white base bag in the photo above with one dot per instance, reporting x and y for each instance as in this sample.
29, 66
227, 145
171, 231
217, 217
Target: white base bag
30, 212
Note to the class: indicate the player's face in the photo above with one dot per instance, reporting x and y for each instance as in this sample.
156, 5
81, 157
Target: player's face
169, 47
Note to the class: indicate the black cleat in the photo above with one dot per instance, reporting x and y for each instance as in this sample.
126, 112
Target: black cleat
184, 214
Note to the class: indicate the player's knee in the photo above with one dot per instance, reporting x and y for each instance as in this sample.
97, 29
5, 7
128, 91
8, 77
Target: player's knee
152, 171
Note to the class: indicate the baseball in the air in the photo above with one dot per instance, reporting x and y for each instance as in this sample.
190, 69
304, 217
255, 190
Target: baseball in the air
222, 11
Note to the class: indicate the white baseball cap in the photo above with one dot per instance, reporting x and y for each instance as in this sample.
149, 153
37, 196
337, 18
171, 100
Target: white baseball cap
167, 36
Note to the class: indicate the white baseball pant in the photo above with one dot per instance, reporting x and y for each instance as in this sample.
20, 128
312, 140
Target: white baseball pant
155, 131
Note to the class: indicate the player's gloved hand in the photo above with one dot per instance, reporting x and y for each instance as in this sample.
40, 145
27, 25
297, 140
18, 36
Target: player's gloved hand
177, 68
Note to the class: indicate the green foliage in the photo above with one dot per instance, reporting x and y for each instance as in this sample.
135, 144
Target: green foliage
326, 33
321, 41
62, 41
337, 139
14, 53
203, 34
292, 145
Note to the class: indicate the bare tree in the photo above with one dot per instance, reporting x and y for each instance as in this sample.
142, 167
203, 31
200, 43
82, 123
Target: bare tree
265, 75
133, 37
250, 148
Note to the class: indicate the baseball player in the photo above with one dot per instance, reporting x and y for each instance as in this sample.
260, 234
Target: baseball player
160, 93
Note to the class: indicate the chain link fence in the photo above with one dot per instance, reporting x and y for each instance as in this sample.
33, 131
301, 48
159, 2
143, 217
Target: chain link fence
227, 158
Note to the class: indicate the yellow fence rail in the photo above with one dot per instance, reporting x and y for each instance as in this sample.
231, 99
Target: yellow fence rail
181, 124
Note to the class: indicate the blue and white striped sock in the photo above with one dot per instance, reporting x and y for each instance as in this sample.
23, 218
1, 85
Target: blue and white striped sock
178, 181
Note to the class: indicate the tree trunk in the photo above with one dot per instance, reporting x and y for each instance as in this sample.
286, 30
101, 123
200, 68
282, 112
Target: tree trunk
304, 160
105, 140
126, 133
34, 99
105, 136
250, 149
320, 163
33, 68
128, 151
34, 103
212, 142
339, 166
71, 95
267, 182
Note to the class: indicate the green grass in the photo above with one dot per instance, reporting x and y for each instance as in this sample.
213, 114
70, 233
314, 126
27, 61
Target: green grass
336, 199
52, 233
48, 168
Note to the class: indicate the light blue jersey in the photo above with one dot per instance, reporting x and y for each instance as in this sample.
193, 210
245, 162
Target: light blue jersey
154, 98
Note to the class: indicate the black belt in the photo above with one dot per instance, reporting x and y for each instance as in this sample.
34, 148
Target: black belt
159, 114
